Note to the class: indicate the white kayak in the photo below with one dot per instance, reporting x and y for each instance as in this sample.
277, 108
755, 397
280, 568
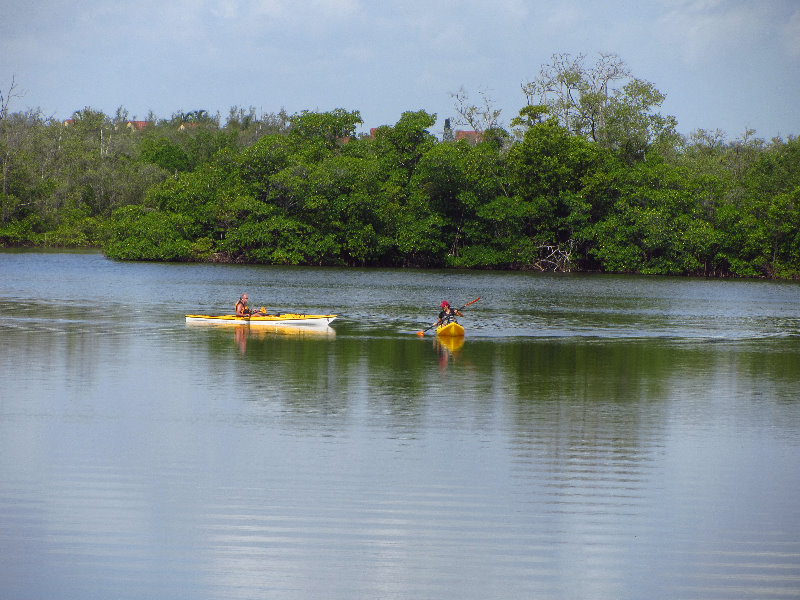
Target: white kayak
293, 319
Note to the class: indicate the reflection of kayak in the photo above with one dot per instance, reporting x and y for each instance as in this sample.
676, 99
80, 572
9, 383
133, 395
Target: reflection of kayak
264, 331
450, 330
295, 320
451, 342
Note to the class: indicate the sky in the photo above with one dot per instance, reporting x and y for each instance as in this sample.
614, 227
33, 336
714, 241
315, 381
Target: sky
728, 65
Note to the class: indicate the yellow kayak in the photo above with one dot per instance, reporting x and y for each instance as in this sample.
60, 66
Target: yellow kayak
450, 330
292, 319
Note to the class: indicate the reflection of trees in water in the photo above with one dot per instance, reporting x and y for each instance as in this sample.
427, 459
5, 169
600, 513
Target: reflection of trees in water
562, 400
575, 405
316, 377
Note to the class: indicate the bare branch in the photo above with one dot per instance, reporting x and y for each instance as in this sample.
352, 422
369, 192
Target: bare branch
555, 258
5, 100
479, 118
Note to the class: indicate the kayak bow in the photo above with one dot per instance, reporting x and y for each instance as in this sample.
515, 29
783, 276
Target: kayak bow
452, 329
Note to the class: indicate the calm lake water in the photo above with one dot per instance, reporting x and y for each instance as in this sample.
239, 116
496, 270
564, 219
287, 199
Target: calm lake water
593, 436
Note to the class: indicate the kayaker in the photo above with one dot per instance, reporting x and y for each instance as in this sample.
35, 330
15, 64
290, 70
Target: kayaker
448, 314
242, 310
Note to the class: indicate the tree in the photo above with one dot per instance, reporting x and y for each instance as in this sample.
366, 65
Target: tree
331, 128
764, 220
413, 223
402, 146
249, 126
478, 117
529, 116
547, 173
168, 155
630, 126
136, 233
574, 93
10, 136
656, 224
585, 102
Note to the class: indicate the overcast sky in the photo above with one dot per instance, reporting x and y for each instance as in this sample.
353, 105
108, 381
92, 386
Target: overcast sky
723, 64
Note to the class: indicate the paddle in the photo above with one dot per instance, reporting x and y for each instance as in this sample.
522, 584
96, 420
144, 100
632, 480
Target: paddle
435, 324
262, 312
426, 329
468, 303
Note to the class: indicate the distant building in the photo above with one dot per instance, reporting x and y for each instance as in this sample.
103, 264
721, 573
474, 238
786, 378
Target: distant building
68, 122
136, 125
472, 137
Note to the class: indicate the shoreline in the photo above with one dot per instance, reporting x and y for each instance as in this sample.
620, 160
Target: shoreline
223, 258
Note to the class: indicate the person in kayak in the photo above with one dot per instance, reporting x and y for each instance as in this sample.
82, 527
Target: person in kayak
448, 314
242, 310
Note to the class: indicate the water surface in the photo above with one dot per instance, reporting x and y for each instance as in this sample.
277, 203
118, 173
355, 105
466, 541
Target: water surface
593, 436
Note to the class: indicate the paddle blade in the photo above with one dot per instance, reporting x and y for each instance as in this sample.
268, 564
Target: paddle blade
420, 333
473, 302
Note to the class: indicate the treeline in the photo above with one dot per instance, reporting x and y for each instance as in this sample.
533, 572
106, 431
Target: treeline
590, 178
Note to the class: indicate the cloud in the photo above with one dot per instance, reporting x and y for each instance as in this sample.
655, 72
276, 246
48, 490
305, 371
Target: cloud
564, 17
704, 30
314, 14
790, 35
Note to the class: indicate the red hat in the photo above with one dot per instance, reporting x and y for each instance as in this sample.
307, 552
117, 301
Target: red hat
444, 303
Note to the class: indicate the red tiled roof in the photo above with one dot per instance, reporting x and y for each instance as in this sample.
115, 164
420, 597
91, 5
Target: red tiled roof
470, 136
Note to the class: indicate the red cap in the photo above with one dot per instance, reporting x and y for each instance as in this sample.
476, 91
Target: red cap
444, 303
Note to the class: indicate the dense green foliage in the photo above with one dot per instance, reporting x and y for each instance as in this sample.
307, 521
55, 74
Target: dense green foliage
604, 184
